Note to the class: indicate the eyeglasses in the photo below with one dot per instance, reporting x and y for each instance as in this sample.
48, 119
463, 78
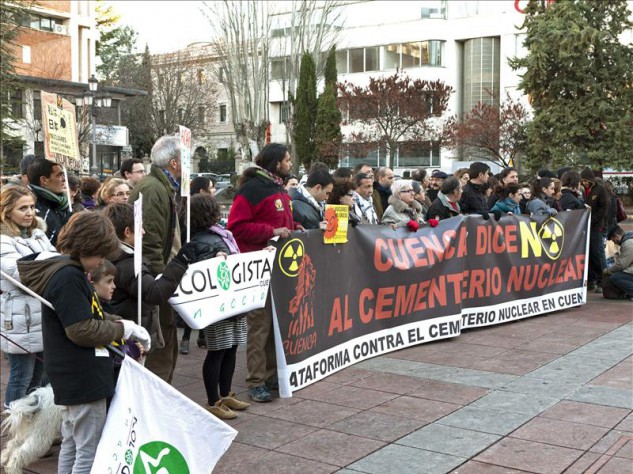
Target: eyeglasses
139, 172
122, 193
408, 191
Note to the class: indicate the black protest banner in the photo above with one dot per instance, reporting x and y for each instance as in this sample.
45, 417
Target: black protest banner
387, 289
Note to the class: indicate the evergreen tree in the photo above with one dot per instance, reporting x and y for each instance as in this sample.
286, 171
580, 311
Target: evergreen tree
328, 137
116, 43
330, 73
581, 89
306, 110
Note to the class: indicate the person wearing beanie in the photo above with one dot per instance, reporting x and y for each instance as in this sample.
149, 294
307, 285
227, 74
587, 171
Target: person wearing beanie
597, 198
545, 173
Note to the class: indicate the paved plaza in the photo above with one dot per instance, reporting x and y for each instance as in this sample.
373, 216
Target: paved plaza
548, 394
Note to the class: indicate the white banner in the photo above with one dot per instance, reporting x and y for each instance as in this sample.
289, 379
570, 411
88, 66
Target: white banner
185, 159
143, 434
219, 288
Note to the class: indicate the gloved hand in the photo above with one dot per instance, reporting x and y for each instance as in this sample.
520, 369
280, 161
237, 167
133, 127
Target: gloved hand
191, 252
413, 225
131, 330
433, 222
497, 214
485, 215
552, 211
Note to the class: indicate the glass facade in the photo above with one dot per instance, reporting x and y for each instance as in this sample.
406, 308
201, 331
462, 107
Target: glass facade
481, 72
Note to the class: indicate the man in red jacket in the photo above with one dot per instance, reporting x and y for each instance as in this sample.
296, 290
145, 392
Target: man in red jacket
262, 210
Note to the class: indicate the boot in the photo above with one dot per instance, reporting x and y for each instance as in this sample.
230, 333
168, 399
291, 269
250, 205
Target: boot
184, 346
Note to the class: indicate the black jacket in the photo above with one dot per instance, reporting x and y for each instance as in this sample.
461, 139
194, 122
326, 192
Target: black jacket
570, 201
304, 212
52, 213
598, 199
441, 209
153, 292
473, 200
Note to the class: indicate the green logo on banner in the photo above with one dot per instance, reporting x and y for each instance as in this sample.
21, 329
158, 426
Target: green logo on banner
159, 457
224, 276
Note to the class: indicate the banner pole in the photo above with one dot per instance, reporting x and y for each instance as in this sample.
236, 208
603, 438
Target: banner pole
70, 204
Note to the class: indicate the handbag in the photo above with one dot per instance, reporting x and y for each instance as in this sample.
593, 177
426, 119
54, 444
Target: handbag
621, 212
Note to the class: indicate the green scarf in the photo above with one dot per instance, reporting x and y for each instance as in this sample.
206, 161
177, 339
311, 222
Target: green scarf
60, 199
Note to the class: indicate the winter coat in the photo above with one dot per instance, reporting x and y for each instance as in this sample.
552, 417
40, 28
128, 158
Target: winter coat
506, 205
624, 261
52, 213
154, 292
260, 207
380, 197
442, 209
399, 213
159, 218
539, 210
569, 200
304, 212
21, 314
473, 200
597, 197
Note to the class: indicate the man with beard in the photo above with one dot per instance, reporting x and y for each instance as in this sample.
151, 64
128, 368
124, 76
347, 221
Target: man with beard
435, 184
262, 210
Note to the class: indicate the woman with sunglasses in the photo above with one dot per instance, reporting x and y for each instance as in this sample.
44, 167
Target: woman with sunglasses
403, 207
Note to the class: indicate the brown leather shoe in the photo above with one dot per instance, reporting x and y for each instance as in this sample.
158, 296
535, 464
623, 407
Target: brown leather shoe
233, 403
222, 411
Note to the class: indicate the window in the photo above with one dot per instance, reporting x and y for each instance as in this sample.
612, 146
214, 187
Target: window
16, 104
26, 54
201, 115
223, 113
410, 55
356, 60
341, 62
418, 154
284, 112
392, 56
372, 62
278, 68
200, 76
432, 53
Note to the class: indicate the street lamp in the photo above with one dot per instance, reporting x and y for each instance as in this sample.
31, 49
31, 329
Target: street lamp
95, 101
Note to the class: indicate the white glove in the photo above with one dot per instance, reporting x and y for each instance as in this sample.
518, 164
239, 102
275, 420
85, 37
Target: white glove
131, 330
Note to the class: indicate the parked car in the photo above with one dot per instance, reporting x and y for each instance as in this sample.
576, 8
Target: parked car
222, 181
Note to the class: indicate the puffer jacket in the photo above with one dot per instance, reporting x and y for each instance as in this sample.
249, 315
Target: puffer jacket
21, 314
624, 261
399, 213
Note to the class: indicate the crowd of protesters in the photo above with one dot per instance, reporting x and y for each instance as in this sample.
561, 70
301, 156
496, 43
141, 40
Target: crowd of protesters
55, 240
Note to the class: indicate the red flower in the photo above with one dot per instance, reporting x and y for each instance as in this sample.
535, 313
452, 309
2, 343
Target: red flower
433, 222
413, 225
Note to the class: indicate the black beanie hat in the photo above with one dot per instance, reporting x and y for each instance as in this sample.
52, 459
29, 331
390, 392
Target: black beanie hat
588, 175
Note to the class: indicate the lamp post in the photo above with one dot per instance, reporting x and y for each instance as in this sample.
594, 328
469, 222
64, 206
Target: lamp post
95, 101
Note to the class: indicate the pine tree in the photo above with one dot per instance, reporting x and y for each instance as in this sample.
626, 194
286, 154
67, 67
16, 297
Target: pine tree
306, 110
328, 136
581, 89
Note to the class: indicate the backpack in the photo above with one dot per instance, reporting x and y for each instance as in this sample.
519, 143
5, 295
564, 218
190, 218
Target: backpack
620, 215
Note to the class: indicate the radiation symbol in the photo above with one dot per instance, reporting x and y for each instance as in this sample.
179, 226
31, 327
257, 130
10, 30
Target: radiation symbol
552, 236
290, 257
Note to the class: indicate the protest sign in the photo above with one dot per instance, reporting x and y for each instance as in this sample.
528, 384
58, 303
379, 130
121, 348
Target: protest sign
336, 222
185, 159
219, 288
142, 435
60, 131
389, 289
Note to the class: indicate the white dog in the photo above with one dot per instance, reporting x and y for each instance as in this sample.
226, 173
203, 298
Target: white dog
32, 423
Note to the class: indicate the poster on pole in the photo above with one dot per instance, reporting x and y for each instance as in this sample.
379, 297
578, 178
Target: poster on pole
219, 287
185, 159
138, 252
336, 222
60, 131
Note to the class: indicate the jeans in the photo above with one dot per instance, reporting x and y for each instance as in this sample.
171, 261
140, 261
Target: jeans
596, 253
25, 374
81, 431
624, 281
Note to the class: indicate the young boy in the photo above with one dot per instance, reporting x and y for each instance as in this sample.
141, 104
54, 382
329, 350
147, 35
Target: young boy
153, 292
76, 332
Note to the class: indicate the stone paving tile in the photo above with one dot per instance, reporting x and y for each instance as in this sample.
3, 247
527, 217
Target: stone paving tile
478, 378
623, 332
270, 433
449, 359
313, 413
448, 392
270, 407
614, 397
515, 362
616, 466
381, 364
396, 459
418, 408
572, 369
317, 390
587, 413
378, 425
583, 463
485, 420
499, 341
475, 467
349, 375
620, 376
612, 442
393, 383
626, 451
449, 440
542, 344
357, 397
423, 370
578, 330
547, 387
611, 350
529, 404
626, 424
529, 456
560, 433
331, 447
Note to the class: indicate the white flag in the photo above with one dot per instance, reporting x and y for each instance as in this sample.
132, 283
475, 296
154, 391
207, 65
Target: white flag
151, 427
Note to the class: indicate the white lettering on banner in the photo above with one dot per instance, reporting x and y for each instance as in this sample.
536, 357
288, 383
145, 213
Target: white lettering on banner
301, 374
233, 285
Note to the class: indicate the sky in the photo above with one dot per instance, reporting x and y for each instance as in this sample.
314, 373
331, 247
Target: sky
164, 25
